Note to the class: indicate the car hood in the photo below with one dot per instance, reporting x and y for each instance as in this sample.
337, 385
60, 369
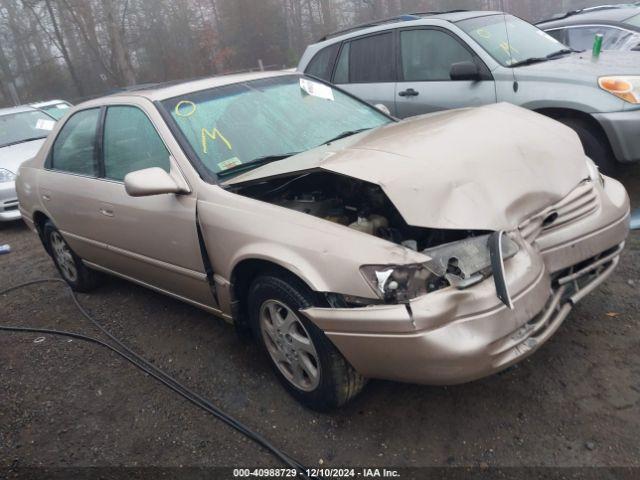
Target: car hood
583, 67
13, 156
486, 168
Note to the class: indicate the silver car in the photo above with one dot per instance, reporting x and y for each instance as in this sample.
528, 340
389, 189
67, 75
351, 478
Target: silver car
22, 133
418, 64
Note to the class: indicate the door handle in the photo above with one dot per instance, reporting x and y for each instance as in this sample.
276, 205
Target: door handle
409, 92
107, 212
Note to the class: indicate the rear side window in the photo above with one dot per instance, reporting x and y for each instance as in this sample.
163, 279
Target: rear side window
131, 143
367, 60
427, 55
322, 64
75, 147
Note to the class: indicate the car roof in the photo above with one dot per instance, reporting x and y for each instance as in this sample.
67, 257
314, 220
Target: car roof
410, 19
611, 15
18, 109
163, 91
47, 103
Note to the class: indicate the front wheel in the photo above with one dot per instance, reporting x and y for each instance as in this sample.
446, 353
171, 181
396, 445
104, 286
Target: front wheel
304, 359
595, 145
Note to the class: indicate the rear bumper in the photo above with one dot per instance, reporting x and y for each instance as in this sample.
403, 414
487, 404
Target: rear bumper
8, 202
623, 131
454, 336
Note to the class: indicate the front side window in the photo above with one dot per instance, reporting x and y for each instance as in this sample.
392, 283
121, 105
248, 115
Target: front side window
74, 148
367, 60
427, 55
245, 123
510, 40
559, 34
322, 64
24, 127
131, 143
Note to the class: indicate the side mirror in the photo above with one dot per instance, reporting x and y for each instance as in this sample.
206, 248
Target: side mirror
465, 71
383, 108
150, 181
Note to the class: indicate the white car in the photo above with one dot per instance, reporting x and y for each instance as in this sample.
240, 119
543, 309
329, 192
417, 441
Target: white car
56, 108
22, 133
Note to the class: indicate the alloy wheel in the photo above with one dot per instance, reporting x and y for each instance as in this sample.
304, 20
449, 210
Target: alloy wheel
64, 257
289, 345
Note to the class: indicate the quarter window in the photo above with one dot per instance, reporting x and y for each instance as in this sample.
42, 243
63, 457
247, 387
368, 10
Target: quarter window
131, 143
75, 147
322, 64
367, 60
427, 55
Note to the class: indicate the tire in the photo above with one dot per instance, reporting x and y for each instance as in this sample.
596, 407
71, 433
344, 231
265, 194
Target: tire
296, 347
595, 145
71, 268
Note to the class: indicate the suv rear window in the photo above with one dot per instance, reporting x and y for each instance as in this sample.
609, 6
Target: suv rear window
367, 60
322, 64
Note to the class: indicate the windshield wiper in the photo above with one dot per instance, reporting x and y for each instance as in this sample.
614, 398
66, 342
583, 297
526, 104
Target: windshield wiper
256, 162
551, 56
346, 134
24, 140
560, 53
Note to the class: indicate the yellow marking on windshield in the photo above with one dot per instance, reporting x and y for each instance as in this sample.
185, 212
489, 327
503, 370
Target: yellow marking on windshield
508, 49
213, 135
183, 113
483, 33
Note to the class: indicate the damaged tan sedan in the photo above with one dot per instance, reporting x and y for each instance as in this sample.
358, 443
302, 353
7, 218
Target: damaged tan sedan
435, 250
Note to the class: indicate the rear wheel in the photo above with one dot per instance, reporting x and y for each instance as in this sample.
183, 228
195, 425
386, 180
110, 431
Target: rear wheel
595, 145
79, 277
304, 359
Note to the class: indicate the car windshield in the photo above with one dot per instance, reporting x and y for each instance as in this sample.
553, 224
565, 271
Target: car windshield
24, 127
242, 125
57, 111
510, 40
635, 20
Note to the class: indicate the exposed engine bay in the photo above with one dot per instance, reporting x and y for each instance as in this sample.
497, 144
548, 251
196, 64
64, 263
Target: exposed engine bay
460, 258
348, 201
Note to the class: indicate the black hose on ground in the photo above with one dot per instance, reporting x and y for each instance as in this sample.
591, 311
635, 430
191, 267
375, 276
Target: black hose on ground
144, 365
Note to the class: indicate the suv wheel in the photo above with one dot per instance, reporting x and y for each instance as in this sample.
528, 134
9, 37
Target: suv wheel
304, 359
79, 277
595, 145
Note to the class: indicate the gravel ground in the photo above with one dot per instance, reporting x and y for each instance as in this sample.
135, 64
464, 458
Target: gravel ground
575, 403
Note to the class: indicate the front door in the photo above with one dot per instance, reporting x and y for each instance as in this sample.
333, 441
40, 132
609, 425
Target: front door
425, 86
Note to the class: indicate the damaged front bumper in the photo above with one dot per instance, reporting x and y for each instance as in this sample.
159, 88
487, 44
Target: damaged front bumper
453, 336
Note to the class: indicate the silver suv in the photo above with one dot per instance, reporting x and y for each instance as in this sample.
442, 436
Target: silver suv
422, 63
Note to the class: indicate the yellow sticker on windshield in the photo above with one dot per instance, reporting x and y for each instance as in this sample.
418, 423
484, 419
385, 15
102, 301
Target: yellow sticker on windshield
229, 162
213, 135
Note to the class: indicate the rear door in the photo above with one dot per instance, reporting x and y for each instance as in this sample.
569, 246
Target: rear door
425, 85
67, 183
366, 67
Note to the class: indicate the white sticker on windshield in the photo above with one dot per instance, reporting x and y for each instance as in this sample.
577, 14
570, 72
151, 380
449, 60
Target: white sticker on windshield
228, 163
62, 106
45, 124
316, 89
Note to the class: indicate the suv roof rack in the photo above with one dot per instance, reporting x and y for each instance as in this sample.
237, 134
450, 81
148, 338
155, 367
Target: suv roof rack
571, 13
407, 17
